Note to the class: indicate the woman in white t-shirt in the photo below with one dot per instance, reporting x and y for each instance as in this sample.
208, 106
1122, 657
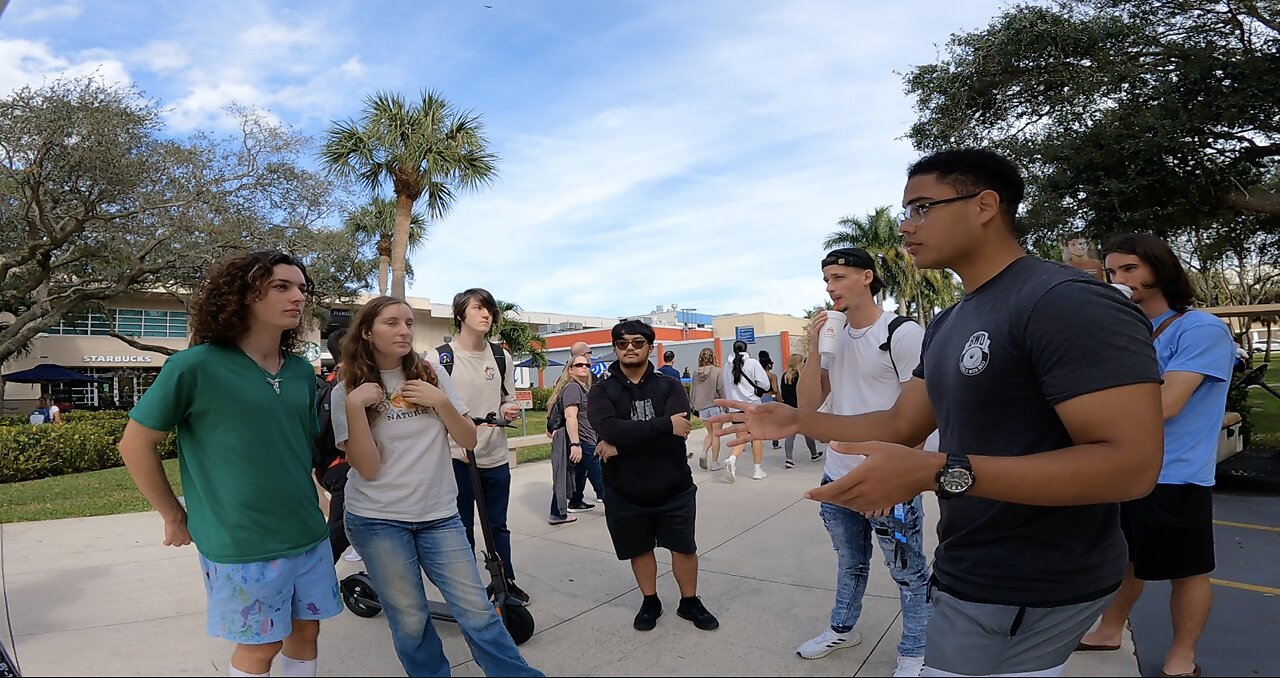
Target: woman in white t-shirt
393, 414
745, 380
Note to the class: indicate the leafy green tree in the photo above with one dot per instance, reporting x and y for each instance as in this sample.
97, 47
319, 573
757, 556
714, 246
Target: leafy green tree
1127, 115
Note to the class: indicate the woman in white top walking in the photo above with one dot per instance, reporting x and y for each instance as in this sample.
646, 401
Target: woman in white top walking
745, 380
393, 414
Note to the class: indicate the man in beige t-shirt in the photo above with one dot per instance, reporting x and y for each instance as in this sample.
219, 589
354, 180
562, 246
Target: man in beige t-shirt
472, 362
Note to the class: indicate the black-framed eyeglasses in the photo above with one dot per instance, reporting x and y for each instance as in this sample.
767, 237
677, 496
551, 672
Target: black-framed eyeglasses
581, 365
622, 344
914, 213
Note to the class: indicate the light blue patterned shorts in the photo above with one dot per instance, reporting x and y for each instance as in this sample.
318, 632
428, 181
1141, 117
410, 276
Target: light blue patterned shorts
256, 603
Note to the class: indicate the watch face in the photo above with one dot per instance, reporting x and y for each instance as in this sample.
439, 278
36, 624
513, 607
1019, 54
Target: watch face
956, 480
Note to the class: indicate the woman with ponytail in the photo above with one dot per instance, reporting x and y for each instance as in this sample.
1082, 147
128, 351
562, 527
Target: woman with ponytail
745, 381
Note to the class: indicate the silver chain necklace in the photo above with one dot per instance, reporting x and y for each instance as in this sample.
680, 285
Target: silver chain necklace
274, 381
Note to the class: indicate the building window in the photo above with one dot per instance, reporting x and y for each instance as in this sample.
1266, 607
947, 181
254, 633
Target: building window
130, 322
125, 387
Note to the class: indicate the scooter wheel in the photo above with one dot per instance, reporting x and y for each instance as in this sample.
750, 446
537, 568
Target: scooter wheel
519, 622
359, 596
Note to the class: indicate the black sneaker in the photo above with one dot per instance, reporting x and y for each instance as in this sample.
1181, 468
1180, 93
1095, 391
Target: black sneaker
579, 508
815, 456
776, 446
693, 610
647, 617
517, 593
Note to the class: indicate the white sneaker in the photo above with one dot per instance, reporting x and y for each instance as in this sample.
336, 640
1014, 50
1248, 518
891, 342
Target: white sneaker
730, 469
715, 466
909, 666
826, 643
759, 474
351, 556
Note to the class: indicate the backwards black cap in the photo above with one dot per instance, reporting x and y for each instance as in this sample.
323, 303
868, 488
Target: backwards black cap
855, 257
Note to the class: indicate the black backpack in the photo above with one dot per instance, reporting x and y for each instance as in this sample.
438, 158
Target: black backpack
894, 324
445, 351
555, 416
323, 449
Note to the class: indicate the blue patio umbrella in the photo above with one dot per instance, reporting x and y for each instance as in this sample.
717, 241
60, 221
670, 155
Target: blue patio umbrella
48, 373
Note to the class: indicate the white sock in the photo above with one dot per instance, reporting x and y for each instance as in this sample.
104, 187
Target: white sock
758, 467
297, 668
233, 671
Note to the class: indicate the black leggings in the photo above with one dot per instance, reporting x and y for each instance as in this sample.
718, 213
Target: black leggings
334, 481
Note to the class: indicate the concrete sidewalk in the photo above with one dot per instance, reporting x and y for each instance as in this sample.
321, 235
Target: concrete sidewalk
101, 596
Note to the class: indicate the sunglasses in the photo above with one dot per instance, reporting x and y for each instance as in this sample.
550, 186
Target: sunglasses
622, 344
580, 365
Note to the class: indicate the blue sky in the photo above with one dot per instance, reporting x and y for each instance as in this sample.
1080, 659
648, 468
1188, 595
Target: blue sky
657, 152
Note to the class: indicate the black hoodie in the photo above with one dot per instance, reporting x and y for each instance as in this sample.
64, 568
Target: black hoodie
651, 466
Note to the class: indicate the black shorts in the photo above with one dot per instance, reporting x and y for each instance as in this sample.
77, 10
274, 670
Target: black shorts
637, 530
1170, 532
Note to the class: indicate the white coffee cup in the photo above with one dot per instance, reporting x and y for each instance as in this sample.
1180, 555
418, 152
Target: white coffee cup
1124, 289
830, 336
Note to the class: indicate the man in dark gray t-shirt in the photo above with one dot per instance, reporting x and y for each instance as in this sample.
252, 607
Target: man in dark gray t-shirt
1044, 387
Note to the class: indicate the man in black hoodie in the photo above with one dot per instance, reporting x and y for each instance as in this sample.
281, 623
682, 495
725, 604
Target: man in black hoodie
641, 420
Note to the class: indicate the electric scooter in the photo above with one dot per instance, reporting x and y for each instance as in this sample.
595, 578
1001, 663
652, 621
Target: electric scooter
359, 596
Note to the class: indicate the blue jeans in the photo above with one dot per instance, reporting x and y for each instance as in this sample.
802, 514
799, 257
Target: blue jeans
902, 543
495, 483
396, 553
587, 469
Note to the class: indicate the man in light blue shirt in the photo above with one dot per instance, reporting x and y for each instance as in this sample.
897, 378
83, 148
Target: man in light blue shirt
1170, 531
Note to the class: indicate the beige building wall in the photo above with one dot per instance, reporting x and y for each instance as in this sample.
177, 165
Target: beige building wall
764, 324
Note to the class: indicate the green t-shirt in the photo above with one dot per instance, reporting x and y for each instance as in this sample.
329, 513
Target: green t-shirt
244, 452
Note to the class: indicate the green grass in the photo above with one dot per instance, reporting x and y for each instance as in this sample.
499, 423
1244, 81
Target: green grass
96, 493
535, 421
1266, 418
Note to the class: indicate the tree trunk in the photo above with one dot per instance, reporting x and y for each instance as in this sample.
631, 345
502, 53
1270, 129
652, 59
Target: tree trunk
2, 387
384, 267
400, 245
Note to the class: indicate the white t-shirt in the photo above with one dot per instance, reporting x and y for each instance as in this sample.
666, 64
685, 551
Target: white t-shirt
416, 481
863, 379
744, 391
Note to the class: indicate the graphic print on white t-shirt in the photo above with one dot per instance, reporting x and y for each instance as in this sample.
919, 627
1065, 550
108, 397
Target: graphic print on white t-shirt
415, 482
863, 379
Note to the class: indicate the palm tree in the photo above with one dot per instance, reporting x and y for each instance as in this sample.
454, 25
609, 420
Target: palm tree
917, 292
424, 149
517, 336
376, 222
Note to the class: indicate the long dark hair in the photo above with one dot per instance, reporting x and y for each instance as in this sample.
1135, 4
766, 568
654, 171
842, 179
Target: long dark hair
739, 347
360, 366
1170, 277
220, 310
765, 361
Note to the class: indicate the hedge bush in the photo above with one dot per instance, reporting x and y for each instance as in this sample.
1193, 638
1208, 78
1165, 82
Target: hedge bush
85, 443
540, 398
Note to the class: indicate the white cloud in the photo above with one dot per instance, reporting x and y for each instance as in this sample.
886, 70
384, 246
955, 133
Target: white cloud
28, 62
30, 12
353, 68
161, 56
708, 177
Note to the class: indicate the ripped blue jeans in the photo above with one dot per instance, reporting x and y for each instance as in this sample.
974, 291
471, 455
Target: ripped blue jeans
901, 539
